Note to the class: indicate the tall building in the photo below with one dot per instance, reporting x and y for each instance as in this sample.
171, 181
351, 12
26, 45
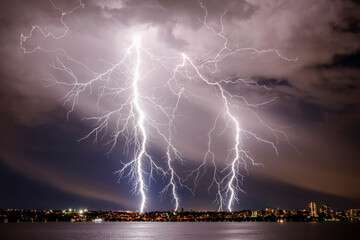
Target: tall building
293, 212
256, 213
277, 212
267, 212
312, 209
325, 210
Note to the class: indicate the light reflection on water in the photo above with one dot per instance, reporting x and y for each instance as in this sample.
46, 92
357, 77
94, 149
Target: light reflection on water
184, 230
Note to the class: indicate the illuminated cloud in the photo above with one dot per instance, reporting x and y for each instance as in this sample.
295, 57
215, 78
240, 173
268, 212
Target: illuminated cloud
317, 94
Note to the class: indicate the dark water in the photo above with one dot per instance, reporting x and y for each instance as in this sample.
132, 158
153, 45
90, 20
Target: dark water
185, 230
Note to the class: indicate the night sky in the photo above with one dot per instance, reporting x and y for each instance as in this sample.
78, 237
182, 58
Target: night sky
43, 166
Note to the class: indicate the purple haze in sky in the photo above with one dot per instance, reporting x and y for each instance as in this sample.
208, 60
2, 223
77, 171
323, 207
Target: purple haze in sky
317, 97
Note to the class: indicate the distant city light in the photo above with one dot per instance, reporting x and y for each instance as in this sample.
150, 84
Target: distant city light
98, 220
325, 214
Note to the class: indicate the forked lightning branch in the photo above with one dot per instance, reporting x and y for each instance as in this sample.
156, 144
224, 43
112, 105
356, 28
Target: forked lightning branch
130, 120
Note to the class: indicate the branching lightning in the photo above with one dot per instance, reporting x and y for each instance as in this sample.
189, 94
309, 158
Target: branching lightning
130, 119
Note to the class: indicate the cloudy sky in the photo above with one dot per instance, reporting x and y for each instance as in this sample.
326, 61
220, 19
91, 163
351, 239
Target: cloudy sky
316, 99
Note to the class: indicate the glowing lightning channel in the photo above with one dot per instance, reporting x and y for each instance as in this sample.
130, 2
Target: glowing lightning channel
132, 121
228, 185
237, 132
140, 125
173, 174
24, 38
130, 118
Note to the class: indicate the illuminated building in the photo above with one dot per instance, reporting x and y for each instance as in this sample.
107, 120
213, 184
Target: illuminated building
293, 212
256, 213
277, 212
312, 208
325, 210
267, 212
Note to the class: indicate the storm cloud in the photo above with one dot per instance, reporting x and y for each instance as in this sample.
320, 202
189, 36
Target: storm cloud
317, 96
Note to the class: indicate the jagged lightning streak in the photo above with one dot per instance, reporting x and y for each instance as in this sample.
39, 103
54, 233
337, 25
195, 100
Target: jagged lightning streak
237, 132
134, 123
140, 124
173, 174
134, 114
24, 38
239, 154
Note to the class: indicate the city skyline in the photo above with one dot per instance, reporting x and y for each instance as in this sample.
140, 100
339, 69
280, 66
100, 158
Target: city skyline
324, 213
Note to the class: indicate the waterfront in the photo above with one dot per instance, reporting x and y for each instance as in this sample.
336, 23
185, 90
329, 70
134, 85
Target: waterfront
325, 214
183, 230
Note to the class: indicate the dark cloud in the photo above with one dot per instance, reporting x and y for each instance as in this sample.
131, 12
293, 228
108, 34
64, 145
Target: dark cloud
351, 25
349, 60
272, 82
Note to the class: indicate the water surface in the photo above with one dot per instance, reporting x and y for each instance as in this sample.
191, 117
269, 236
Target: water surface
179, 230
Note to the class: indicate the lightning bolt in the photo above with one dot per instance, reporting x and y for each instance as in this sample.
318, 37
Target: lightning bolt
236, 124
140, 124
24, 38
129, 118
229, 185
